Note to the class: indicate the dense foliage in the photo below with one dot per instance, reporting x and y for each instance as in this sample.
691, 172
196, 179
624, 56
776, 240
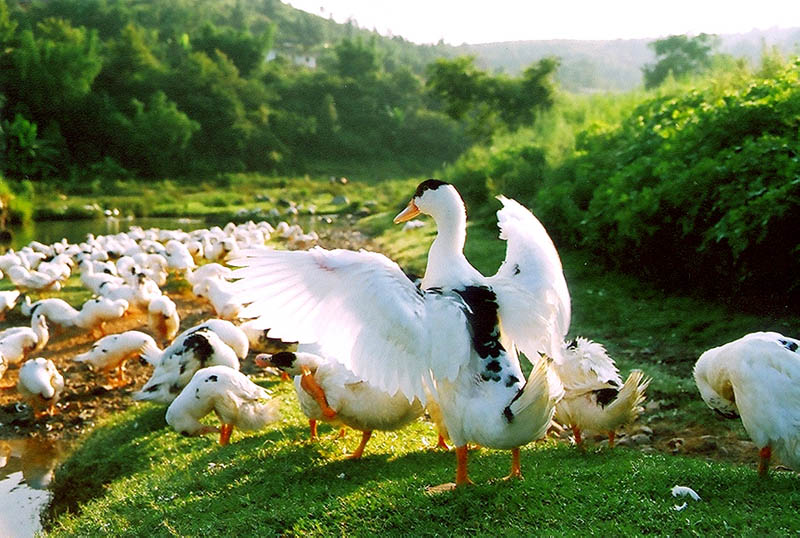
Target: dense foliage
698, 186
112, 88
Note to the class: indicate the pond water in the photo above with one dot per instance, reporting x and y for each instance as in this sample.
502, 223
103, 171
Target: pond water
75, 231
26, 470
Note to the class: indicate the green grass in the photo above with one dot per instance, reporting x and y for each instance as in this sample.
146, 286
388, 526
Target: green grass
155, 482
134, 475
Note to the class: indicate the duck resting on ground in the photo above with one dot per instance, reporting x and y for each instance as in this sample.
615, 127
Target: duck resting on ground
757, 378
455, 338
237, 402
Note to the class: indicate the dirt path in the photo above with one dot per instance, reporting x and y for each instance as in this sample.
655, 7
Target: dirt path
85, 401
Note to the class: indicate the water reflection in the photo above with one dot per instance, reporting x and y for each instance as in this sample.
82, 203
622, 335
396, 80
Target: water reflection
27, 467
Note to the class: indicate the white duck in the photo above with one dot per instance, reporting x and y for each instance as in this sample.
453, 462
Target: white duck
175, 366
8, 300
237, 402
757, 378
163, 318
445, 337
233, 336
57, 311
209, 270
328, 391
17, 343
32, 280
96, 312
221, 295
112, 351
594, 396
93, 280
40, 385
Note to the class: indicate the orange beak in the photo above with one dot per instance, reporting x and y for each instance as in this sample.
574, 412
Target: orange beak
408, 213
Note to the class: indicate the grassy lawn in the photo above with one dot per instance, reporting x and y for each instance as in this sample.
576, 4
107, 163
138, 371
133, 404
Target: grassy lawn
134, 475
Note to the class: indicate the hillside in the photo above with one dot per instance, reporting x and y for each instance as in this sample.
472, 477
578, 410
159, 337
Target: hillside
612, 65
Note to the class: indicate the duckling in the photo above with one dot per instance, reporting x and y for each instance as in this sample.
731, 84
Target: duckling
112, 351
594, 396
328, 391
40, 385
237, 402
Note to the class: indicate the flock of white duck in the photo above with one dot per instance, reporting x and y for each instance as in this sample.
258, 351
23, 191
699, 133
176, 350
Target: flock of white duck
375, 349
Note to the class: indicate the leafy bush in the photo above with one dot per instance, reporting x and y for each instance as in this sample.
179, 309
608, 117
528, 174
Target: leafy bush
699, 189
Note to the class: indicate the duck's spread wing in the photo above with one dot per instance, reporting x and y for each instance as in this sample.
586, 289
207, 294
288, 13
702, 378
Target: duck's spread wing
533, 298
361, 309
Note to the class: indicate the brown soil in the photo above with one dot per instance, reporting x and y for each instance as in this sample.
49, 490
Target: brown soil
85, 400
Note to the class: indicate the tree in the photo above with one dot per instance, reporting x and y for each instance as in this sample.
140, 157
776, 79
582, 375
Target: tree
489, 102
680, 55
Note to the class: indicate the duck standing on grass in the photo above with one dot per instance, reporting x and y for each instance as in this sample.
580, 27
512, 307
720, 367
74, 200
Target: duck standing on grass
237, 402
40, 385
757, 378
456, 338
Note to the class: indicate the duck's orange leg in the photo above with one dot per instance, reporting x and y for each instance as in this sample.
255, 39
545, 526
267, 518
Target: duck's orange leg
611, 436
311, 386
225, 432
342, 432
576, 432
763, 462
442, 444
285, 376
516, 471
365, 435
461, 467
312, 427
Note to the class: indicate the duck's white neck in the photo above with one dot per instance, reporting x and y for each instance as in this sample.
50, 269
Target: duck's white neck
447, 265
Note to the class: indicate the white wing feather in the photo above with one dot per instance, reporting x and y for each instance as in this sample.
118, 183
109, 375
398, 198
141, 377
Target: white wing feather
533, 298
361, 309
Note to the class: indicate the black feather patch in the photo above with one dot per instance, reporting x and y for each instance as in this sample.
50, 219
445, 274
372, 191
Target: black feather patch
197, 394
605, 396
791, 346
152, 388
428, 185
483, 321
198, 343
174, 388
516, 269
283, 359
508, 414
212, 378
511, 381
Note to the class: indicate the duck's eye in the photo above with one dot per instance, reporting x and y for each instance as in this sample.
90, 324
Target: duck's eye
103, 351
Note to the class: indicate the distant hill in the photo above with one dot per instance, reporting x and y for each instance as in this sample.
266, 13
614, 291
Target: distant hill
612, 65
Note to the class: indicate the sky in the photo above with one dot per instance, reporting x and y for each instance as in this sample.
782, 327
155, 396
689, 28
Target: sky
482, 21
